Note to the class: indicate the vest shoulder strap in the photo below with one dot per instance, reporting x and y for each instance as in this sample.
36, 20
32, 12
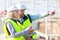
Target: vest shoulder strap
29, 18
6, 29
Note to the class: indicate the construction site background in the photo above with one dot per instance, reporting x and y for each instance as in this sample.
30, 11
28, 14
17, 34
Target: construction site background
50, 25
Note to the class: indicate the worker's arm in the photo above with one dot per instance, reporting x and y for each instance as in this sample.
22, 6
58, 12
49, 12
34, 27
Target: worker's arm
35, 17
13, 32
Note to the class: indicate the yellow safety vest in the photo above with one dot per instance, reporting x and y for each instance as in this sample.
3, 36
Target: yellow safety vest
18, 27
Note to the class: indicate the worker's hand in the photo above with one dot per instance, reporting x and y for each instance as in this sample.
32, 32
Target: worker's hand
41, 38
30, 30
28, 38
52, 13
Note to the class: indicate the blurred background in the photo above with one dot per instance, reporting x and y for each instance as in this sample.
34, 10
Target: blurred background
50, 25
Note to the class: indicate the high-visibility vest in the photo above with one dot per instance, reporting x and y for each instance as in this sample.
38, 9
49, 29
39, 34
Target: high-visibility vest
18, 27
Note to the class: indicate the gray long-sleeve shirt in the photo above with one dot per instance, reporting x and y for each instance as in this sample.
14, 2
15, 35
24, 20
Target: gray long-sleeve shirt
23, 32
